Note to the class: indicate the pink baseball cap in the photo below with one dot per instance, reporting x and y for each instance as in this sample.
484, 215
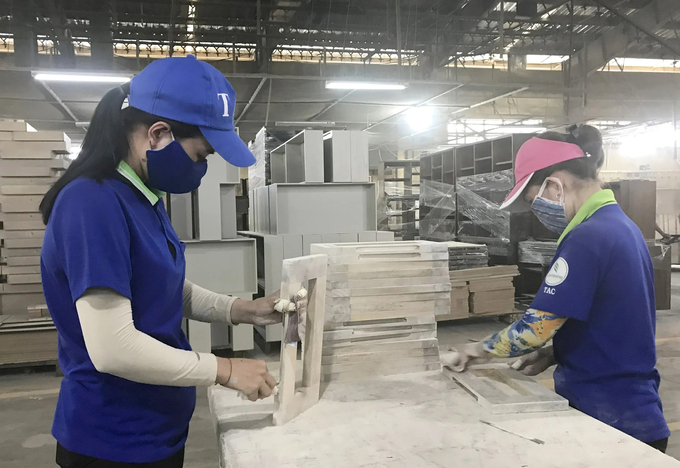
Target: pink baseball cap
534, 155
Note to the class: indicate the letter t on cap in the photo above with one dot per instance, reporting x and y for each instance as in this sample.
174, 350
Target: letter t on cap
225, 101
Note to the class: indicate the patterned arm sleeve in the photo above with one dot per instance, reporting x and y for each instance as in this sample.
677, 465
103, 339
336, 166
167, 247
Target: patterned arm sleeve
528, 334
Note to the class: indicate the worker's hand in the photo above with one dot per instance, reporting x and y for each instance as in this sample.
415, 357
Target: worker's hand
260, 311
534, 363
249, 376
469, 354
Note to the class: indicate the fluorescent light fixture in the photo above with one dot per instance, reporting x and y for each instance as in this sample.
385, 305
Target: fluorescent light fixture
419, 118
81, 77
375, 85
304, 124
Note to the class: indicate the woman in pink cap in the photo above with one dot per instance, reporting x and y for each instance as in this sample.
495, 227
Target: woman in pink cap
597, 301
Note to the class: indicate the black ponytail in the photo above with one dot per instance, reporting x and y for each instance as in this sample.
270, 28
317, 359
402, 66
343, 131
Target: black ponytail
106, 143
589, 139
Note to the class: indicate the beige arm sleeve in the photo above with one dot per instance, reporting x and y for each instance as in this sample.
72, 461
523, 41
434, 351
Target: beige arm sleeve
206, 306
116, 347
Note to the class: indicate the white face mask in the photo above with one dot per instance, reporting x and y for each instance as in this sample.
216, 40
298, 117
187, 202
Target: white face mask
551, 214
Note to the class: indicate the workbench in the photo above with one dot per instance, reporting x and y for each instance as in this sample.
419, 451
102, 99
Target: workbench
416, 420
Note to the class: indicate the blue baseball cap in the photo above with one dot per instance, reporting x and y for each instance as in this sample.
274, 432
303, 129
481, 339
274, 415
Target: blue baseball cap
195, 93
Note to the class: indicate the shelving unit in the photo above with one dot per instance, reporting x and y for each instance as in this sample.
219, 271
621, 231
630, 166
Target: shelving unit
398, 197
442, 220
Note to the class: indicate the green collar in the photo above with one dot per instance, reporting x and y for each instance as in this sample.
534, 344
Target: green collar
126, 171
594, 203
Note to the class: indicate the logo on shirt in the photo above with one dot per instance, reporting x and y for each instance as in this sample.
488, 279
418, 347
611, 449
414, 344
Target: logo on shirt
558, 273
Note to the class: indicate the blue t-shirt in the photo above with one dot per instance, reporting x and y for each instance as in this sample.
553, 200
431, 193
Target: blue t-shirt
602, 279
110, 235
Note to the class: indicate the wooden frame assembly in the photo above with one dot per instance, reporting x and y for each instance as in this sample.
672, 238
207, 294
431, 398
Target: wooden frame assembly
291, 400
501, 389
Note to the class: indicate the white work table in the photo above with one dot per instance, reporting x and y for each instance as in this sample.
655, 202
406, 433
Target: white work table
417, 420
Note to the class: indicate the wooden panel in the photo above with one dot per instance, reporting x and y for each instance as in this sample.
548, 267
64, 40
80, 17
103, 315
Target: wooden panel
364, 347
291, 400
13, 126
28, 346
502, 390
396, 369
20, 203
24, 189
21, 288
41, 136
22, 261
33, 150
23, 279
637, 199
477, 273
20, 270
37, 234
8, 253
5, 181
23, 243
23, 225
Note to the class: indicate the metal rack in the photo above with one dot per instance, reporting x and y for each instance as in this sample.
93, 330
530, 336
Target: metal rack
398, 197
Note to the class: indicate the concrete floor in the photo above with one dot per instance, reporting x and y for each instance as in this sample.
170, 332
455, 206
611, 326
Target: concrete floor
27, 401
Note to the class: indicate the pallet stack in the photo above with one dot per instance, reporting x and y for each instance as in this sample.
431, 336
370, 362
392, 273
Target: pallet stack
30, 162
381, 304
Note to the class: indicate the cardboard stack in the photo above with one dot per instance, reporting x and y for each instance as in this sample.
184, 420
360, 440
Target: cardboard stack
30, 162
381, 303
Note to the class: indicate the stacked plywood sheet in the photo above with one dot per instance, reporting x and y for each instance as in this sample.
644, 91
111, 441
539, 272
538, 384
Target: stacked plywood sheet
381, 303
491, 289
26, 341
30, 162
463, 256
481, 291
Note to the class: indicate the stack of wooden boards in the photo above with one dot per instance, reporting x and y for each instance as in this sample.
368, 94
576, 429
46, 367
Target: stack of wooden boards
463, 256
24, 340
482, 291
381, 303
30, 162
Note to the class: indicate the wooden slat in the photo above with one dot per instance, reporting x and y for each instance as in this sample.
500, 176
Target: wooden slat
488, 272
32, 150
41, 136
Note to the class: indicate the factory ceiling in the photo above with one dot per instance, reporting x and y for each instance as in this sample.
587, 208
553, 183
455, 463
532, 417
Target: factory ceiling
558, 61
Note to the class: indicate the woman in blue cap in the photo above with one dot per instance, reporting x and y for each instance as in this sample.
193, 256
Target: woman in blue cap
113, 272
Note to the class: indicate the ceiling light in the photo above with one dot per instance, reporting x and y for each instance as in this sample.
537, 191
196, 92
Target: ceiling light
81, 78
419, 118
364, 85
303, 124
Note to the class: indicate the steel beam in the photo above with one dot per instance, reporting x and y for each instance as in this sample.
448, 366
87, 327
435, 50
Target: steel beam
252, 98
619, 39
63, 107
630, 19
